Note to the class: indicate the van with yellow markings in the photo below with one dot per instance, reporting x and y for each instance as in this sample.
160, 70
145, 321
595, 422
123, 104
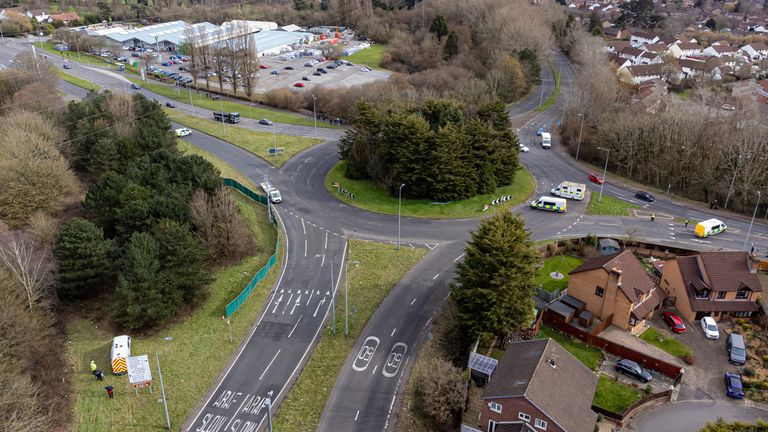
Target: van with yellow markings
709, 227
550, 203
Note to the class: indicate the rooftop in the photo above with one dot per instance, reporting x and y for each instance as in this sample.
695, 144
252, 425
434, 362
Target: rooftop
634, 279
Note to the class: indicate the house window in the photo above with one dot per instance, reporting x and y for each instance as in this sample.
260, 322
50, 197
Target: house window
492, 426
541, 424
742, 294
741, 314
523, 416
495, 407
702, 294
721, 294
633, 321
599, 291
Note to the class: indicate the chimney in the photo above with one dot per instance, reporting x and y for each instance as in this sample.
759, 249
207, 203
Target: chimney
753, 262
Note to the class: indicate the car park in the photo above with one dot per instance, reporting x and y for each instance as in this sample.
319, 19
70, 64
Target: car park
674, 322
709, 326
737, 351
305, 79
181, 132
170, 105
265, 122
594, 178
733, 385
645, 196
298, 84
634, 370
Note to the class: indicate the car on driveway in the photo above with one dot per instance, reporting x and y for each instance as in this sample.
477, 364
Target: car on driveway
733, 385
594, 178
737, 350
540, 131
709, 326
263, 67
305, 79
630, 368
317, 74
181, 132
645, 196
265, 122
288, 68
674, 322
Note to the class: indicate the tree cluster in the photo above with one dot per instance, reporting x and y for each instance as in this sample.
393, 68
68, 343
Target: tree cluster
736, 426
639, 13
436, 149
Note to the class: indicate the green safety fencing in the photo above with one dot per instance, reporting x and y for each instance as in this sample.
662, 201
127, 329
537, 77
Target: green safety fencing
235, 304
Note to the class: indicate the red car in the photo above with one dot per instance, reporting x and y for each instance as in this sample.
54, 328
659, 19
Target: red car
674, 322
299, 85
263, 67
595, 179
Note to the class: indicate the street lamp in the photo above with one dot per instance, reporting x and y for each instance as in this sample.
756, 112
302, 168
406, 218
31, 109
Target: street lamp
159, 56
746, 240
346, 298
399, 199
274, 138
605, 170
314, 112
268, 403
578, 146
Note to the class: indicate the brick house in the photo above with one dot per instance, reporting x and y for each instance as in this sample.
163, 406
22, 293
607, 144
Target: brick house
64, 18
617, 288
539, 386
716, 284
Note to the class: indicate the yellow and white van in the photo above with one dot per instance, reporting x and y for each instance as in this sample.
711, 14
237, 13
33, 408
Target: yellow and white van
121, 350
709, 227
550, 203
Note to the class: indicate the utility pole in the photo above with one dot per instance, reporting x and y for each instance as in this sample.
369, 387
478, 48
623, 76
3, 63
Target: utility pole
221, 107
578, 147
162, 389
274, 138
314, 112
605, 170
268, 403
399, 199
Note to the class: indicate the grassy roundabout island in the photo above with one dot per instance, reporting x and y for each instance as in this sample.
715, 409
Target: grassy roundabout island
371, 197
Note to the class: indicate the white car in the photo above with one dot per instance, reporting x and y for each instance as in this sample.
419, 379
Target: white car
182, 132
709, 326
365, 69
524, 149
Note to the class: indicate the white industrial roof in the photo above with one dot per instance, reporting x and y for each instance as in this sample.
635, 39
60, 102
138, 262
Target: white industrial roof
172, 32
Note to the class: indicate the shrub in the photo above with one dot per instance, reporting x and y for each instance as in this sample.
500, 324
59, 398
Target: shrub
648, 389
749, 372
746, 326
688, 359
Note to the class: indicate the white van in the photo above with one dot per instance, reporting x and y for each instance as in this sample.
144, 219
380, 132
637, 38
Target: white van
709, 227
546, 140
121, 349
570, 190
549, 203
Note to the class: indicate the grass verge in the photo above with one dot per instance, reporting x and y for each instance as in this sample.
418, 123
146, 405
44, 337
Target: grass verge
666, 342
245, 110
370, 56
372, 197
555, 94
380, 268
72, 55
609, 206
561, 264
588, 355
615, 396
255, 142
78, 81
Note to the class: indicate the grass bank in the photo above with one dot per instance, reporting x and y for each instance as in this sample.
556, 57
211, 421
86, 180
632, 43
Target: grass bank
380, 268
588, 355
256, 142
369, 56
666, 342
561, 264
78, 81
555, 94
192, 351
372, 197
615, 396
609, 206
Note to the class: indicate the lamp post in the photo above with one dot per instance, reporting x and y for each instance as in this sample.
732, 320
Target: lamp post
221, 108
581, 128
346, 298
605, 170
159, 56
268, 403
399, 199
749, 231
314, 112
274, 138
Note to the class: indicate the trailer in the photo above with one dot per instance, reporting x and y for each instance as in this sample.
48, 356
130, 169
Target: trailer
272, 193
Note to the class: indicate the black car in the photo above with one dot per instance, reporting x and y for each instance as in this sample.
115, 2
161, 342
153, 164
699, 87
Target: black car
135, 86
170, 105
305, 79
630, 368
317, 74
288, 68
330, 66
321, 70
66, 66
645, 196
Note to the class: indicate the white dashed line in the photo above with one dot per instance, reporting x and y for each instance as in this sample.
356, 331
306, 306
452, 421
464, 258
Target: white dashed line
393, 331
303, 227
270, 364
413, 301
458, 257
435, 276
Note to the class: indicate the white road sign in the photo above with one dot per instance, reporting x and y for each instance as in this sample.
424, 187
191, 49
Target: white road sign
138, 369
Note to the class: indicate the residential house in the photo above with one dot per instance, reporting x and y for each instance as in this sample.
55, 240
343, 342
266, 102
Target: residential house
719, 50
685, 50
692, 68
615, 33
639, 38
38, 14
616, 46
640, 73
659, 48
539, 386
618, 62
754, 51
650, 98
716, 284
630, 53
64, 18
616, 288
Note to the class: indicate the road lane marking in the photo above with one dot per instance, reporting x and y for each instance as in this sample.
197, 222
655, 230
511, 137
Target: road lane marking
303, 227
326, 240
295, 325
374, 369
270, 364
305, 248
311, 293
247, 398
458, 257
277, 303
393, 331
320, 303
298, 300
323, 261
288, 302
357, 414
413, 301
365, 355
435, 276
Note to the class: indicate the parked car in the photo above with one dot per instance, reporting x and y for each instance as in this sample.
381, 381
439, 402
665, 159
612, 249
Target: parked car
594, 178
524, 149
298, 84
275, 73
674, 322
288, 68
737, 351
733, 385
540, 131
265, 122
305, 79
330, 66
365, 69
135, 86
67, 66
709, 326
308, 64
322, 71
167, 63
645, 196
261, 66
630, 368
181, 132
170, 105
317, 74
134, 54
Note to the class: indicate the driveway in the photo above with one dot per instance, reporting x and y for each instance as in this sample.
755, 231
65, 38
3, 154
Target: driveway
691, 416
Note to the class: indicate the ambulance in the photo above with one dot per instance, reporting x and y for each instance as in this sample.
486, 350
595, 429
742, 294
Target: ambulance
709, 227
121, 349
570, 190
549, 203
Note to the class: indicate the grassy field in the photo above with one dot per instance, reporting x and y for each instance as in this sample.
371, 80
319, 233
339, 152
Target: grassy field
254, 112
560, 263
78, 81
615, 396
380, 268
666, 342
256, 142
588, 355
555, 94
610, 206
369, 56
374, 198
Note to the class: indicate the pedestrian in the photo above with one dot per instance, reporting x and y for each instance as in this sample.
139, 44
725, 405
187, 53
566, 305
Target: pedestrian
109, 391
99, 375
93, 367
752, 251
686, 223
653, 217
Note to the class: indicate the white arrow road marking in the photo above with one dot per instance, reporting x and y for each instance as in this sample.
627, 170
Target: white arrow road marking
318, 307
310, 297
287, 303
298, 299
277, 303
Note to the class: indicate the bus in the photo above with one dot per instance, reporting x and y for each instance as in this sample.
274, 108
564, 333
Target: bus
226, 117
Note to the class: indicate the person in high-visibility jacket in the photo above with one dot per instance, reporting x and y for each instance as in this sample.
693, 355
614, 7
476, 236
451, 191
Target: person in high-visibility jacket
93, 367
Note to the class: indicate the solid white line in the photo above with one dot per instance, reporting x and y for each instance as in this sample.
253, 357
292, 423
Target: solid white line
458, 257
393, 331
295, 325
323, 261
607, 224
357, 414
435, 276
253, 330
413, 301
303, 227
326, 240
270, 364
305, 248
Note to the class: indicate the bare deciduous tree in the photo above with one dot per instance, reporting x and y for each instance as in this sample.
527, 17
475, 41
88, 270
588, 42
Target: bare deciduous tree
440, 391
220, 226
30, 263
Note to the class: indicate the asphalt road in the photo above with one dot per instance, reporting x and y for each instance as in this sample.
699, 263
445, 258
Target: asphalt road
691, 416
366, 393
